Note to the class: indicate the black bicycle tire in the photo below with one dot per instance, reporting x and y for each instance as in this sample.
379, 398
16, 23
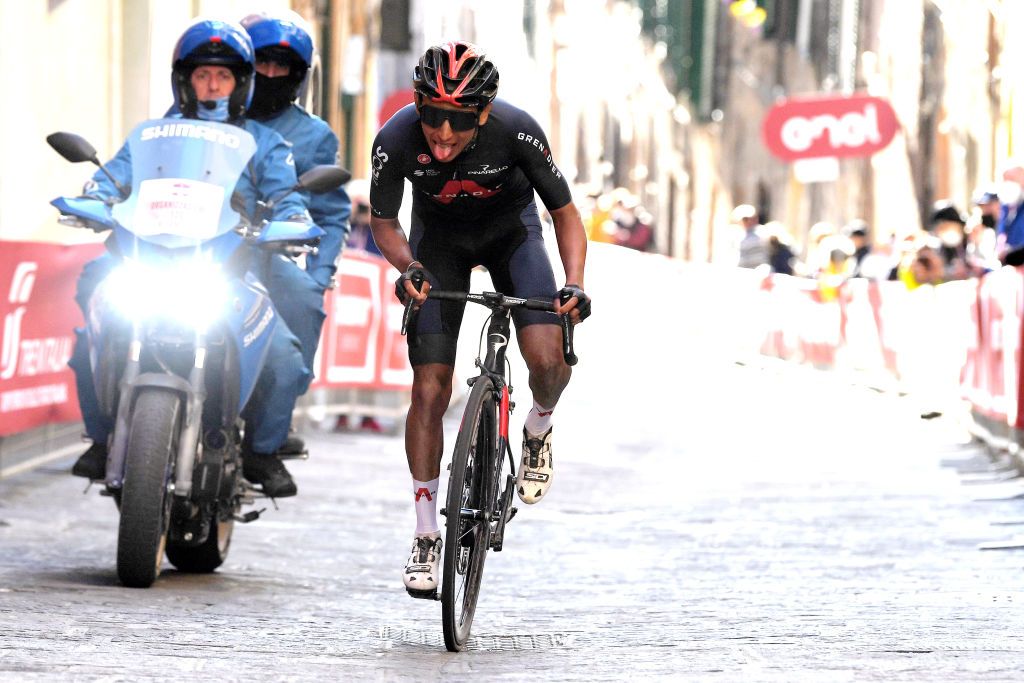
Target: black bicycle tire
457, 615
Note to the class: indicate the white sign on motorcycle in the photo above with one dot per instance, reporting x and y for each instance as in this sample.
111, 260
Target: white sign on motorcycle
179, 206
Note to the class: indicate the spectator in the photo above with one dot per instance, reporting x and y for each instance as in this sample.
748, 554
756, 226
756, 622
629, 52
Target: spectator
753, 251
638, 234
866, 261
1010, 228
780, 250
837, 267
947, 225
359, 236
981, 232
817, 256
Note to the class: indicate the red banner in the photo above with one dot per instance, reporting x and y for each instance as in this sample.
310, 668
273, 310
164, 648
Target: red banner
362, 345
37, 283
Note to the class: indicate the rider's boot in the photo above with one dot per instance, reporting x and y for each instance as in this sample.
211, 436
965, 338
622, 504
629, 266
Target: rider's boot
535, 471
293, 445
269, 472
420, 575
92, 464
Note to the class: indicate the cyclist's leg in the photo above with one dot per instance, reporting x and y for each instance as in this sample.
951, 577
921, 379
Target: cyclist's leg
433, 343
432, 356
524, 270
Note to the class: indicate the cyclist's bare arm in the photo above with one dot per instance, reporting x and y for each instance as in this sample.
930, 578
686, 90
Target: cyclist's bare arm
572, 249
394, 246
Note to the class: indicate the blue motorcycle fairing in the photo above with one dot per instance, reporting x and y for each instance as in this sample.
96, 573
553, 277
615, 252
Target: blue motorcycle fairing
93, 210
252, 321
184, 173
289, 231
219, 249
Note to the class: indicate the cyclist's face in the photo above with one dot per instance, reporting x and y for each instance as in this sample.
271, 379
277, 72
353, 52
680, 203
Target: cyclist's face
445, 142
212, 82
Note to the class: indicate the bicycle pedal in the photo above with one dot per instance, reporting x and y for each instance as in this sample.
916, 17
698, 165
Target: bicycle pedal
423, 595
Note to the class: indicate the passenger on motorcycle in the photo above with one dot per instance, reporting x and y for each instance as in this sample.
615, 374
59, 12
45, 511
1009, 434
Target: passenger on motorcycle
474, 163
212, 79
284, 56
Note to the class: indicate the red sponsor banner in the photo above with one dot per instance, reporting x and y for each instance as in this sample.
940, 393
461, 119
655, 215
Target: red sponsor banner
362, 344
829, 126
37, 283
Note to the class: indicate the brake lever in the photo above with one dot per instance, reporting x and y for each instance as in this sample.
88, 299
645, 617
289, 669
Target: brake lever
417, 282
567, 332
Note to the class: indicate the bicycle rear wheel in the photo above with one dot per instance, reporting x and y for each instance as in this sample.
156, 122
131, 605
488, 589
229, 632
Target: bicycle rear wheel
471, 501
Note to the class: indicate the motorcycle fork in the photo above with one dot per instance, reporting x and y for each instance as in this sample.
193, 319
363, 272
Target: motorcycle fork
189, 440
119, 447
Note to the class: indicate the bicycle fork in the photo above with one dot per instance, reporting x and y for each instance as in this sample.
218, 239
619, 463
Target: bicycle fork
505, 510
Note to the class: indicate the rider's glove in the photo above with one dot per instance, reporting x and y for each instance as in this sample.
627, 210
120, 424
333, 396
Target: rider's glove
415, 273
582, 300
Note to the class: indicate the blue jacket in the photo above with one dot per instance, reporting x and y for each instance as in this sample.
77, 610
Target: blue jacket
313, 142
272, 166
1011, 224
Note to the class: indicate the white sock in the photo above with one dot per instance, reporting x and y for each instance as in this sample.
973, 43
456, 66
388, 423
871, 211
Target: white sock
538, 420
426, 507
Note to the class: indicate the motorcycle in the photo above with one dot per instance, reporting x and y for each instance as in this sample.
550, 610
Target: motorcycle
178, 334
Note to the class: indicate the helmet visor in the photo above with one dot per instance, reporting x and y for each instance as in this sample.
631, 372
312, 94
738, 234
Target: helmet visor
460, 121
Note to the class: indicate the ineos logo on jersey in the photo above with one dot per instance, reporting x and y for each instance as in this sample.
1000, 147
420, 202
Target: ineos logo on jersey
380, 157
456, 188
424, 159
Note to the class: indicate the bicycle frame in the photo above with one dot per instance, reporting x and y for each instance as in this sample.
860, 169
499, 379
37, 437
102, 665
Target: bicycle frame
482, 503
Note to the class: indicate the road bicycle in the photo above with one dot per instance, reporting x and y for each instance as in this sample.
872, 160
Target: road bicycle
480, 486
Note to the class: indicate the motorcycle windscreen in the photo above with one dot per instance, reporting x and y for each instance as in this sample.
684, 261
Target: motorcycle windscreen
184, 172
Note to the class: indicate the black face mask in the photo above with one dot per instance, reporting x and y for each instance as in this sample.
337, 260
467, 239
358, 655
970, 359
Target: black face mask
988, 221
272, 95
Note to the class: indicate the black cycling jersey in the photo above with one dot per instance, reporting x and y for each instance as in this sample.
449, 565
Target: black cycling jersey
495, 174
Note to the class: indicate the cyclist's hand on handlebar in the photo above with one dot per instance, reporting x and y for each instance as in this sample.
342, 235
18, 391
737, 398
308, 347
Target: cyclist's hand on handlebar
413, 284
572, 300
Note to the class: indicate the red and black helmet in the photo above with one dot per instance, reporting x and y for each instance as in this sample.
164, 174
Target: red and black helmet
456, 73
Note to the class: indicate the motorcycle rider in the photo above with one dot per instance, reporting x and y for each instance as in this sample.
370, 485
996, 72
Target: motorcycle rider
284, 56
212, 80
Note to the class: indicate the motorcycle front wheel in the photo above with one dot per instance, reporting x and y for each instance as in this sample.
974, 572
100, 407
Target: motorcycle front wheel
146, 496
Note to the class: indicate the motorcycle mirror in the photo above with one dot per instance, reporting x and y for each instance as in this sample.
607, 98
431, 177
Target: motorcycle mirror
323, 178
73, 147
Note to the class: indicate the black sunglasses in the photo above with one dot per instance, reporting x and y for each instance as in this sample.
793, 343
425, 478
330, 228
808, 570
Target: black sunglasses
459, 120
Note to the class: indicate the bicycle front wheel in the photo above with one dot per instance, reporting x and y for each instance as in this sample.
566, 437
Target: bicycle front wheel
469, 508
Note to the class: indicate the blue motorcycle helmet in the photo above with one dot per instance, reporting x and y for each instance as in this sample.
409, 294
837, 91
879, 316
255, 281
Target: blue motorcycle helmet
282, 38
208, 42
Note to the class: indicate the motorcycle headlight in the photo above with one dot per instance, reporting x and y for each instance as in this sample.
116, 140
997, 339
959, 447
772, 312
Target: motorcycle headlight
192, 293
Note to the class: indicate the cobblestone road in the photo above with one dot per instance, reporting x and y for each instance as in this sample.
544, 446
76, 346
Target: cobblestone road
754, 524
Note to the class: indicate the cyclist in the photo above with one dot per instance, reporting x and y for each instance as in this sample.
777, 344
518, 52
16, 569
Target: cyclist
474, 163
212, 72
